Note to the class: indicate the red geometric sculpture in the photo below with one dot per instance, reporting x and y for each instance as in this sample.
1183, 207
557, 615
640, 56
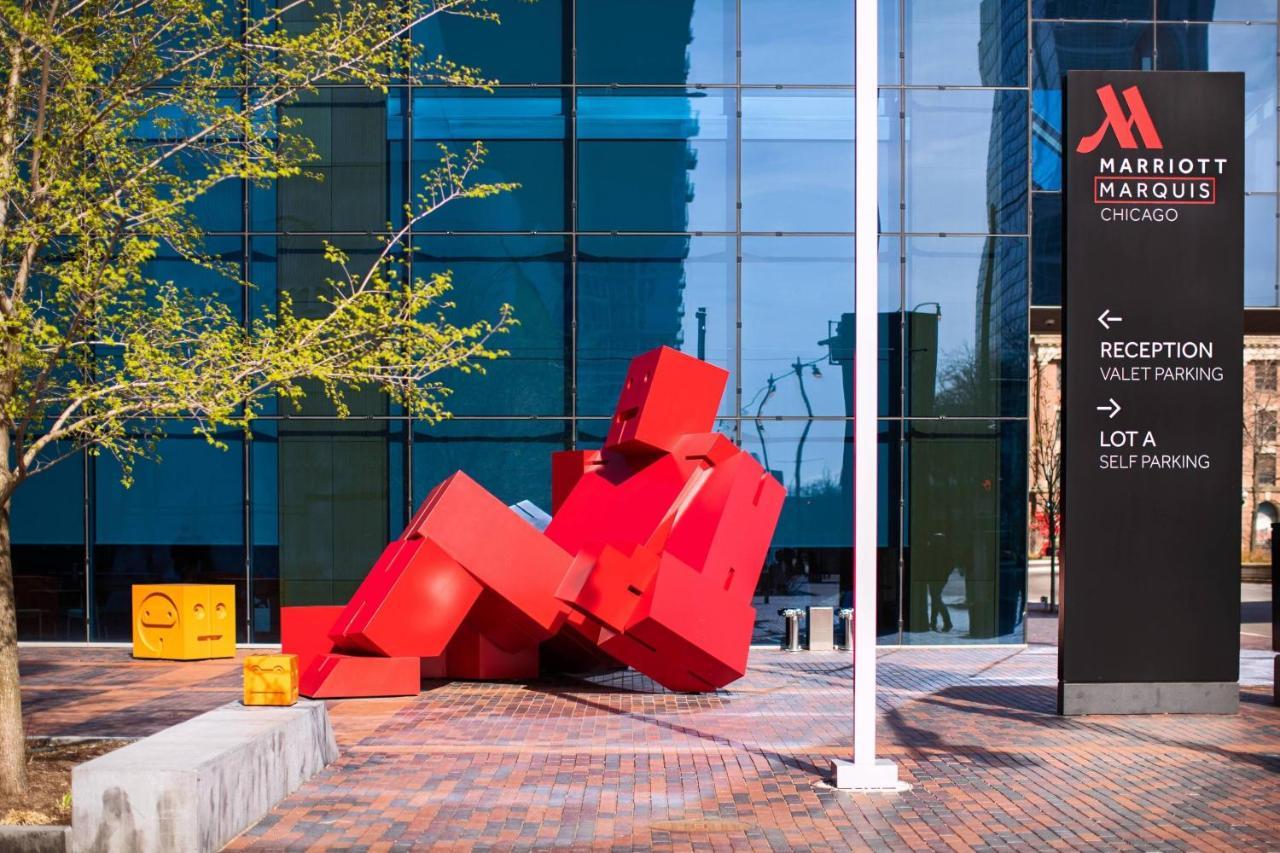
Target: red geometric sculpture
651, 557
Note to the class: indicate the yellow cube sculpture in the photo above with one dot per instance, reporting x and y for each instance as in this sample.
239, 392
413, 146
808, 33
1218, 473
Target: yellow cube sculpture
184, 621
271, 679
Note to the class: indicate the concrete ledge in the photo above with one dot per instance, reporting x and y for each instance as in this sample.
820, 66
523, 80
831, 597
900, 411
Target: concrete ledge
34, 839
1210, 697
196, 785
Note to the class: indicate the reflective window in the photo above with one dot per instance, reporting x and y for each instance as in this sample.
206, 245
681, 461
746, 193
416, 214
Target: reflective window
1232, 47
637, 293
810, 558
656, 160
181, 520
966, 327
1260, 251
965, 524
798, 162
219, 278
966, 161
264, 530
532, 275
960, 42
1216, 10
525, 46
1061, 47
524, 132
797, 326
349, 129
48, 550
1046, 249
512, 459
332, 488
687, 42
1089, 10
783, 42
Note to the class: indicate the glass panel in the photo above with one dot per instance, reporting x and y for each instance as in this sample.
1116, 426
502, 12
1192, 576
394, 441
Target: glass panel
182, 520
526, 45
512, 459
786, 42
200, 280
1059, 48
1260, 251
967, 161
639, 41
797, 160
525, 133
1216, 10
332, 490
1046, 249
350, 130
960, 42
966, 326
532, 275
637, 293
1232, 47
965, 557
811, 558
655, 160
264, 533
797, 306
48, 550
1116, 10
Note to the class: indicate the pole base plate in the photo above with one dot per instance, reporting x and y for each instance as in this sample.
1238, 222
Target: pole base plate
881, 776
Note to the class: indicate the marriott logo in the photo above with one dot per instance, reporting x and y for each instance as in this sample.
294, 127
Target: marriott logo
1121, 125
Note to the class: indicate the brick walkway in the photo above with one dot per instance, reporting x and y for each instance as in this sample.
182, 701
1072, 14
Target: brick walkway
614, 762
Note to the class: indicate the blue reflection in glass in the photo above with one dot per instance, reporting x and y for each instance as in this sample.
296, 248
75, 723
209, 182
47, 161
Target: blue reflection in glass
198, 279
1090, 10
966, 161
1231, 47
1046, 248
1216, 10
797, 305
527, 46
797, 160
966, 303
164, 530
637, 293
966, 43
524, 131
639, 41
655, 160
1062, 47
48, 549
512, 459
786, 42
529, 273
1260, 251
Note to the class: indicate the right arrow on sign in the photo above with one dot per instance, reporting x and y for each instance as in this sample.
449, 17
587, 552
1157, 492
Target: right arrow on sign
1106, 318
1113, 407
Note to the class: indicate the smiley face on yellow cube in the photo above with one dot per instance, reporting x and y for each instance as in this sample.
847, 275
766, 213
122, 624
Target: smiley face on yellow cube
271, 679
183, 621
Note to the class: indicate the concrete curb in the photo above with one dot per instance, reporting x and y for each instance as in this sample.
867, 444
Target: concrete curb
34, 839
196, 785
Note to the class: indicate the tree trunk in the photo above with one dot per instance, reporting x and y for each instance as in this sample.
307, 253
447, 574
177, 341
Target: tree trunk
13, 742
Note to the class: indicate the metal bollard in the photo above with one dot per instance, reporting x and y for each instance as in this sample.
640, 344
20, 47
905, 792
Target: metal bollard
846, 613
791, 635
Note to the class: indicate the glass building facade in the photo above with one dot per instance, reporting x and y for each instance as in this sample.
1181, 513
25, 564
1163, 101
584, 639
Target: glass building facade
686, 171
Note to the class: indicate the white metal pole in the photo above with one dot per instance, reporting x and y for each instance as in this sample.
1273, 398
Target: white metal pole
865, 773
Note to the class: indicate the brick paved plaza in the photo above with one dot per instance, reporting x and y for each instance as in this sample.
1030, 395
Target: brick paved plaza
615, 763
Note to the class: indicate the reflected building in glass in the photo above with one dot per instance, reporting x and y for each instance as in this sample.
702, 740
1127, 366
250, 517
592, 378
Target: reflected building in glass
686, 172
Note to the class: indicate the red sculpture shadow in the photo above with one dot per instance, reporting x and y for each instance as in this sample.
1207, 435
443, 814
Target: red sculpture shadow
650, 559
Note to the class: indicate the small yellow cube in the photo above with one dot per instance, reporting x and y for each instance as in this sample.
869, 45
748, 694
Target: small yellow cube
182, 621
271, 679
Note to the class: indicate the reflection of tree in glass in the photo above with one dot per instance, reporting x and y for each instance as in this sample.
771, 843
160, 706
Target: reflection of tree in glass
964, 385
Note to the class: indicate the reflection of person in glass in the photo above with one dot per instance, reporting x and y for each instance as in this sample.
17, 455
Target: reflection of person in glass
937, 568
